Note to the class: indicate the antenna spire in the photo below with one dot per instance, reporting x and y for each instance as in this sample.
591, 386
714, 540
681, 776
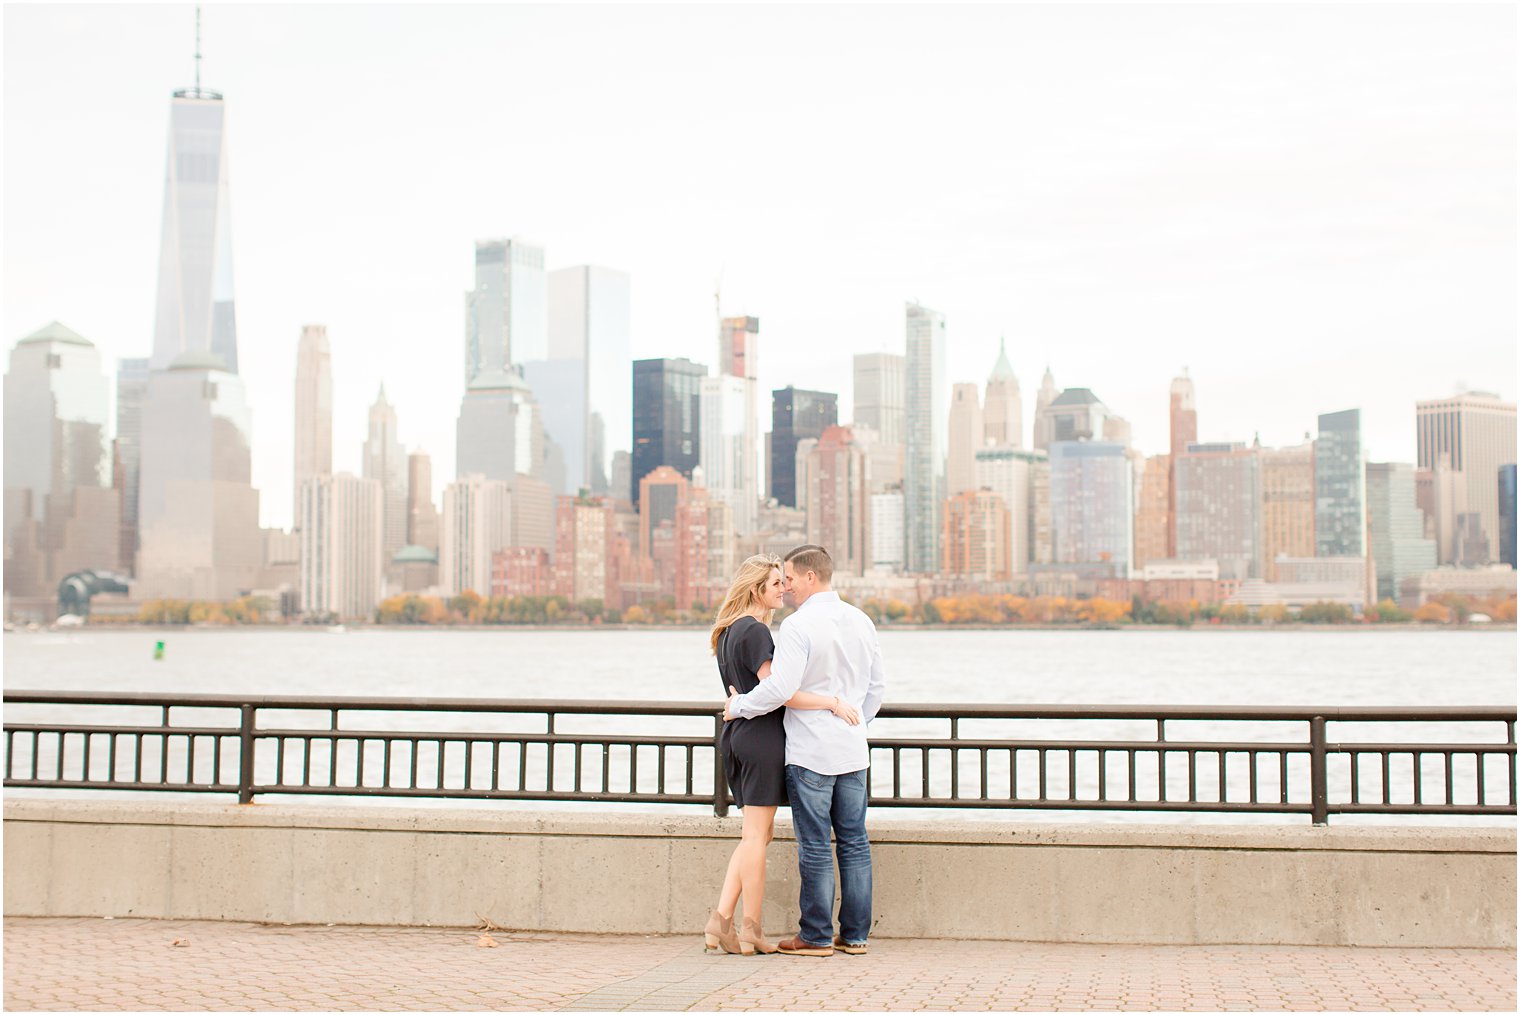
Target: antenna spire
197, 48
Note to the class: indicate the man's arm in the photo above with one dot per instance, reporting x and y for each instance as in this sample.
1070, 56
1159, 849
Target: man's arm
786, 677
876, 685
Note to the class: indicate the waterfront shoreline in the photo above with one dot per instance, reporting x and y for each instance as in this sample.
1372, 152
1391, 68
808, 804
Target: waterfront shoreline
504, 628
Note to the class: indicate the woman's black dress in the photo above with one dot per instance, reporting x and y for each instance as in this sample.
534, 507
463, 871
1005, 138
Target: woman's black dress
754, 750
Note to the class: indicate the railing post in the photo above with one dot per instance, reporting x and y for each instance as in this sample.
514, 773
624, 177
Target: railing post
1318, 779
720, 781
245, 757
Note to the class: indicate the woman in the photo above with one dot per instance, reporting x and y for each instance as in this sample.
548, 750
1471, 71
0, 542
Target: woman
754, 750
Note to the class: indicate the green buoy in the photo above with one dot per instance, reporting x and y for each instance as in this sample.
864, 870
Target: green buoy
158, 650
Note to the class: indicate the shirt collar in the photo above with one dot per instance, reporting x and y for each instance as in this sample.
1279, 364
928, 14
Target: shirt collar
829, 595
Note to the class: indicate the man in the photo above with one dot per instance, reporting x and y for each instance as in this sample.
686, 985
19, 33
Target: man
827, 647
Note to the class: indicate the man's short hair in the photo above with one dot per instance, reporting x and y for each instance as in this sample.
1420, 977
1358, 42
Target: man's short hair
814, 558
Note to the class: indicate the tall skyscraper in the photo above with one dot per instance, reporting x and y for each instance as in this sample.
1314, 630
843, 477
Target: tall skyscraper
879, 390
1003, 410
385, 460
1009, 472
196, 311
796, 415
421, 515
1218, 495
1183, 417
1340, 486
1472, 434
1076, 414
477, 522
339, 522
925, 399
965, 438
498, 434
506, 314
56, 410
589, 341
131, 386
838, 500
1092, 505
1399, 546
1042, 399
1152, 510
667, 417
1287, 505
313, 430
976, 536
199, 512
1507, 514
730, 425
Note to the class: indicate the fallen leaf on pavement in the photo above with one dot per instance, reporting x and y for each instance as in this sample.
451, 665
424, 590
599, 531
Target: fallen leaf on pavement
487, 941
180, 942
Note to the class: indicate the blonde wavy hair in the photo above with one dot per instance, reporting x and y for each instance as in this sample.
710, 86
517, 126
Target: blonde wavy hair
744, 592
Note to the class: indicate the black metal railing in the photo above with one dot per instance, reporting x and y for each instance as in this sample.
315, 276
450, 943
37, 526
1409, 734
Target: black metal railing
1267, 760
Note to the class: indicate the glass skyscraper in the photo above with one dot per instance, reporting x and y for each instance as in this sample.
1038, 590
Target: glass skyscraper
196, 313
585, 385
506, 314
796, 416
667, 417
1092, 504
926, 421
1399, 546
1340, 486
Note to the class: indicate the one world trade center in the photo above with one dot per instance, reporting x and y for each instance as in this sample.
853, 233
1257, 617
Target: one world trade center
195, 305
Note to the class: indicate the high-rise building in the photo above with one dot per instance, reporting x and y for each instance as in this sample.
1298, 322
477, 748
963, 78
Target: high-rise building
1507, 514
198, 510
1042, 543
421, 514
1009, 472
1183, 429
1471, 434
730, 446
1218, 496
583, 536
879, 391
976, 537
887, 551
506, 314
926, 438
739, 347
1076, 414
1042, 399
498, 433
1003, 410
532, 513
589, 334
339, 520
1340, 486
1287, 505
196, 313
838, 500
661, 492
385, 460
965, 438
1092, 513
477, 522
796, 415
57, 407
314, 405
1399, 547
886, 460
131, 386
667, 417
1153, 510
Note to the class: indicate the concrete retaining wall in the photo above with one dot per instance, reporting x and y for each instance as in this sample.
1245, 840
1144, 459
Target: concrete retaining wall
640, 873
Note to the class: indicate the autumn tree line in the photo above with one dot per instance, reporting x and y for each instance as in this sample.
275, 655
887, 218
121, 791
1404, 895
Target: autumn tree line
472, 609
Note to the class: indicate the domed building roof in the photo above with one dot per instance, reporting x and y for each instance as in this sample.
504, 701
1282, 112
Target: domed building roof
55, 332
414, 554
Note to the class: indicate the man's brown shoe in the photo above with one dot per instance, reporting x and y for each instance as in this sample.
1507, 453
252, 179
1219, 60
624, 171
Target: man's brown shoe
797, 946
848, 948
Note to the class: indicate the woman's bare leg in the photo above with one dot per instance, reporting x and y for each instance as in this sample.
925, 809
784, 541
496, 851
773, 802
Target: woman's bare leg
746, 867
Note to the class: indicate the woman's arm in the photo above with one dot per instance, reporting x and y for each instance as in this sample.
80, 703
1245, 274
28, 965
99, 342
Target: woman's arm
810, 701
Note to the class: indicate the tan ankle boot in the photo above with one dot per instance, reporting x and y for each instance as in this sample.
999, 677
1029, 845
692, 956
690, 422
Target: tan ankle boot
719, 934
751, 940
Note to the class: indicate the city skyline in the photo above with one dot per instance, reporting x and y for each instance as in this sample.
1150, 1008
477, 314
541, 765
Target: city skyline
1434, 240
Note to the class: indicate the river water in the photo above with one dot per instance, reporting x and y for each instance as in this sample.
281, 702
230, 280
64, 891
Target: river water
1142, 666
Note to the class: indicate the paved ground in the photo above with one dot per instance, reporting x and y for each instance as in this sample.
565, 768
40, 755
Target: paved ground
72, 964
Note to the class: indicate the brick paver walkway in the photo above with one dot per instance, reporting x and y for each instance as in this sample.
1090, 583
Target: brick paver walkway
73, 964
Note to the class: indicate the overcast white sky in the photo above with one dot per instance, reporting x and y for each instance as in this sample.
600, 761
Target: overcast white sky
1310, 207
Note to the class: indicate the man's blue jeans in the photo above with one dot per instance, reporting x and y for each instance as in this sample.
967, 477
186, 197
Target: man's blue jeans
819, 803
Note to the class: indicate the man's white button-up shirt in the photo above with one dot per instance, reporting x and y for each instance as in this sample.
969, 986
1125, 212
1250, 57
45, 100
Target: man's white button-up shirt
827, 647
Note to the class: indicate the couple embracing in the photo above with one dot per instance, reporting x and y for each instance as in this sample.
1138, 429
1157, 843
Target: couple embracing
825, 667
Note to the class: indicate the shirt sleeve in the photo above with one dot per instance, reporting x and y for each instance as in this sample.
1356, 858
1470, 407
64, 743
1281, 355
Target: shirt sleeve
876, 684
786, 675
755, 647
